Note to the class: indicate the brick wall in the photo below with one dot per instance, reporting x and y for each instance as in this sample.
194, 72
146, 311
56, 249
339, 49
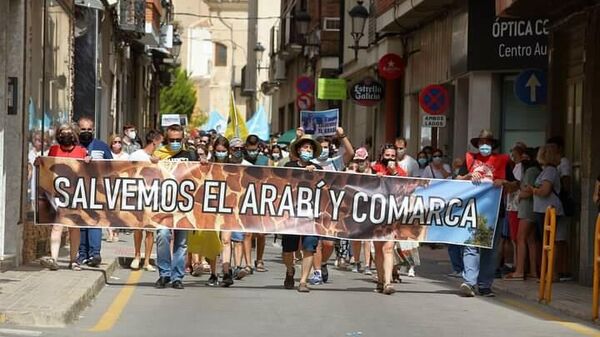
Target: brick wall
382, 6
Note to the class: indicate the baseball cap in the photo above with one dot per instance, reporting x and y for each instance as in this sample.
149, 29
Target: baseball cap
361, 154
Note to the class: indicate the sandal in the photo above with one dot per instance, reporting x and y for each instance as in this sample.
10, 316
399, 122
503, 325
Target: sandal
303, 288
388, 289
249, 270
379, 288
260, 266
75, 266
196, 270
512, 277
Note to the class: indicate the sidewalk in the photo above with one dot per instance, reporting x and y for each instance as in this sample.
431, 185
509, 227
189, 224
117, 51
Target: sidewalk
569, 298
33, 296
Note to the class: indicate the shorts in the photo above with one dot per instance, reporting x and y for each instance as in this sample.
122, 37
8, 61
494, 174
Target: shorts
513, 224
237, 236
290, 243
562, 227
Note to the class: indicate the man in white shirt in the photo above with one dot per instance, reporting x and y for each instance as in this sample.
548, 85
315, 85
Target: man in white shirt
408, 163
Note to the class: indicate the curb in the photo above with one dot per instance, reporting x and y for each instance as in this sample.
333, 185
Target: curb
50, 318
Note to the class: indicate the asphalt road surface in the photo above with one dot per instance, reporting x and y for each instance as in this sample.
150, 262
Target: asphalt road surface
427, 305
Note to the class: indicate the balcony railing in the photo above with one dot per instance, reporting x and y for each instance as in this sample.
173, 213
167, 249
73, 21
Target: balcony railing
132, 15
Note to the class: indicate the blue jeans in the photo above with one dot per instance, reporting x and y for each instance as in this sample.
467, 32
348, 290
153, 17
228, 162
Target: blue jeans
174, 267
480, 263
90, 243
456, 258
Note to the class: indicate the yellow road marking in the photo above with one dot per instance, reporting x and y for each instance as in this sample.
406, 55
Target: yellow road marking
579, 328
112, 314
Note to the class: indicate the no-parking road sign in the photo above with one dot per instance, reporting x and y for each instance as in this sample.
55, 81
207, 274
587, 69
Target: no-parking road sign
434, 99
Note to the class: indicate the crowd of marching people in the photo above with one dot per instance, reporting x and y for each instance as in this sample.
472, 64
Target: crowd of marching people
532, 179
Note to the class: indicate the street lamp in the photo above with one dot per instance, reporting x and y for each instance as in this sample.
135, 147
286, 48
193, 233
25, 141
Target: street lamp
302, 22
359, 15
176, 49
259, 50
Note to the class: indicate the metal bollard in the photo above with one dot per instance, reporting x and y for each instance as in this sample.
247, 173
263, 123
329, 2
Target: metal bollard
547, 268
596, 270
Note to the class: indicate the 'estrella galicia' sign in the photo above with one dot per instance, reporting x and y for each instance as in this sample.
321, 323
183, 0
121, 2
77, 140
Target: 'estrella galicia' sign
367, 92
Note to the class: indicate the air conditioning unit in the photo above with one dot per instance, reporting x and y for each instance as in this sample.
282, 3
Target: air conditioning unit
280, 71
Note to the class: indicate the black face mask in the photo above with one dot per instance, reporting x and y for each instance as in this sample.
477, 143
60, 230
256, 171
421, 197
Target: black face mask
86, 137
385, 161
66, 140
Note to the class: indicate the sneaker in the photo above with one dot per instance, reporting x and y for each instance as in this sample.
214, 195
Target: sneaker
486, 292
368, 271
303, 288
94, 261
288, 283
324, 273
455, 274
213, 281
316, 278
162, 282
177, 284
411, 272
135, 264
467, 290
356, 268
227, 280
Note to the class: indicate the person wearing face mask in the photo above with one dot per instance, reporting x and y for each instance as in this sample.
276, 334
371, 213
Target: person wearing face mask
305, 149
91, 238
130, 139
66, 137
275, 155
153, 141
437, 169
116, 147
252, 153
384, 250
329, 161
408, 163
171, 266
422, 161
484, 166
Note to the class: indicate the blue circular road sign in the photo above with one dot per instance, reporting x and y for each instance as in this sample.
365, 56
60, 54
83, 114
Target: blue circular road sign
531, 87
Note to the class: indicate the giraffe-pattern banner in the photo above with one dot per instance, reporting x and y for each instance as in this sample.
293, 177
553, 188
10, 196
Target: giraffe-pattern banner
195, 196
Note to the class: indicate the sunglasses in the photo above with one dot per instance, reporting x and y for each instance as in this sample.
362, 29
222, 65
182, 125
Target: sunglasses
116, 142
175, 140
86, 129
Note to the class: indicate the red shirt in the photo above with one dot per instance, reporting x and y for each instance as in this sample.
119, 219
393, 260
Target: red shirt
380, 168
77, 152
491, 167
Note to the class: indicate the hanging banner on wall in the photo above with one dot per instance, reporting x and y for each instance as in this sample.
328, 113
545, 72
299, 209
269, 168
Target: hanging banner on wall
367, 92
215, 197
320, 123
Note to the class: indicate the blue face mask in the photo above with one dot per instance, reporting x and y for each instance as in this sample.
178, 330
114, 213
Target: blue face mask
306, 156
423, 161
485, 150
324, 154
238, 154
220, 155
175, 146
252, 154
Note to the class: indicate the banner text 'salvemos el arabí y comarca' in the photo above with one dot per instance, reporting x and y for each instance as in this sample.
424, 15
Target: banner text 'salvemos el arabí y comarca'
188, 195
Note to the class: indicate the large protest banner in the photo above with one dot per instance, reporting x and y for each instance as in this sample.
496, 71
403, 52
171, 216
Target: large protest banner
188, 195
320, 123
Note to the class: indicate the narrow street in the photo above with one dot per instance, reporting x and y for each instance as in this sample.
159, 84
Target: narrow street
428, 305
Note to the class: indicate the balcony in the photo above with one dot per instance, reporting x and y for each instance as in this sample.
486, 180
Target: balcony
132, 15
153, 14
289, 42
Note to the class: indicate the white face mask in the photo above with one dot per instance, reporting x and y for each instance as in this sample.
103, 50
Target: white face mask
131, 135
